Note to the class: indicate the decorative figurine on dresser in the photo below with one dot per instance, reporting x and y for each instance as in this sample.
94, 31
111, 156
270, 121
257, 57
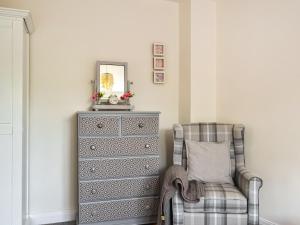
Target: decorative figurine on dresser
118, 166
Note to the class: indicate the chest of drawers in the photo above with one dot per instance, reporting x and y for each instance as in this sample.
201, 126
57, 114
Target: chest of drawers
118, 167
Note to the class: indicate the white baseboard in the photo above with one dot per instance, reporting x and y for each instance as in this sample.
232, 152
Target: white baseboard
52, 217
266, 222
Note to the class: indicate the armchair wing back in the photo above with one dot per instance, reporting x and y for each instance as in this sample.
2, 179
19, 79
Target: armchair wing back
210, 132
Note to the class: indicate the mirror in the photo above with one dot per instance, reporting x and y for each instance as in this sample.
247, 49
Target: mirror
111, 78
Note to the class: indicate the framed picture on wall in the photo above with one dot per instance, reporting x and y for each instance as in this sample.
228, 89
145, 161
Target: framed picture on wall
158, 63
158, 49
158, 77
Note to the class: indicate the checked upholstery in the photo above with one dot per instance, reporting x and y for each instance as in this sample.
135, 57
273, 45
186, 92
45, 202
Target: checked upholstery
219, 198
222, 204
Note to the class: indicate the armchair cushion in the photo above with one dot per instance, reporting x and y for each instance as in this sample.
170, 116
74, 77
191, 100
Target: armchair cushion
209, 161
219, 198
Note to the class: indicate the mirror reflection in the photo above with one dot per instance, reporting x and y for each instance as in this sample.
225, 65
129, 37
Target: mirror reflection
111, 78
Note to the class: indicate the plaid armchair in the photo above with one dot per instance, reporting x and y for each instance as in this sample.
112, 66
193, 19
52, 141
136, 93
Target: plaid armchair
222, 204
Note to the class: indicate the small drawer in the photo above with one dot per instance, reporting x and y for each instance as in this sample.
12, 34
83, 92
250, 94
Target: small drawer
117, 210
140, 125
107, 147
118, 168
99, 125
118, 189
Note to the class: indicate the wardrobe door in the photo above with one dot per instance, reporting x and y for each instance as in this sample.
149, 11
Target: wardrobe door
6, 179
6, 71
6, 91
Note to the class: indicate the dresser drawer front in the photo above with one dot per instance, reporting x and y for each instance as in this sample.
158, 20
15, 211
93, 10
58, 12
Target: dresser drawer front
99, 126
118, 168
117, 210
118, 189
107, 147
140, 125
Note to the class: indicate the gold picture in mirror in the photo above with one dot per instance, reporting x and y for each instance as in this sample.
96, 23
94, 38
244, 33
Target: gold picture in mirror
111, 78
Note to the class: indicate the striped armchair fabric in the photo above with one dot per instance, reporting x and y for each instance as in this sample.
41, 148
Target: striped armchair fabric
223, 204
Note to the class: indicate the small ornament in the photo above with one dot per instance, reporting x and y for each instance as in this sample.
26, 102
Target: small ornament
113, 99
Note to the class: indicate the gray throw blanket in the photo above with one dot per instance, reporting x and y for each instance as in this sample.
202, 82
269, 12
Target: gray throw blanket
176, 178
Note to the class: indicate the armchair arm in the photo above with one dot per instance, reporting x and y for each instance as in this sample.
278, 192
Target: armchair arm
177, 209
177, 201
178, 144
249, 186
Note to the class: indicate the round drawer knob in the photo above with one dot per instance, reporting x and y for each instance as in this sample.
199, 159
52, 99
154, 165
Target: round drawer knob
93, 169
93, 147
147, 146
141, 125
147, 187
147, 167
93, 191
93, 213
100, 125
147, 207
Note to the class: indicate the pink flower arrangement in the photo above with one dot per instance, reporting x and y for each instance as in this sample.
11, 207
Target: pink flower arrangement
96, 96
127, 95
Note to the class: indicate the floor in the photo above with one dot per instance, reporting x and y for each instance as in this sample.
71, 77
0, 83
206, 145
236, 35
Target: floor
69, 223
66, 223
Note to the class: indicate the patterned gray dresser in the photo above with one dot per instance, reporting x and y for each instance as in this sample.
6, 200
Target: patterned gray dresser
118, 167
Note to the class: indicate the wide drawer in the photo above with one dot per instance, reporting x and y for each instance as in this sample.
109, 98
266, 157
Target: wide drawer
99, 125
117, 189
118, 167
106, 147
117, 210
140, 125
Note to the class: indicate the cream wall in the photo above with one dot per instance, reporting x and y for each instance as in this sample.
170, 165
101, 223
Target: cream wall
197, 101
203, 60
258, 77
70, 36
185, 61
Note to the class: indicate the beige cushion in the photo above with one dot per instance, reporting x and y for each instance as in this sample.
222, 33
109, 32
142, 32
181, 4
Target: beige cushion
209, 161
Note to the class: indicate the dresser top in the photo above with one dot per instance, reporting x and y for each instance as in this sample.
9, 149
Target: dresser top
119, 112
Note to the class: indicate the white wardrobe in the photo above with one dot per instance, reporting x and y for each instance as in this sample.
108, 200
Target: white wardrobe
15, 28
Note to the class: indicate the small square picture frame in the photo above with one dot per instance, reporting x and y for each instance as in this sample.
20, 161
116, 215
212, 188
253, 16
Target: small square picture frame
158, 49
159, 63
158, 77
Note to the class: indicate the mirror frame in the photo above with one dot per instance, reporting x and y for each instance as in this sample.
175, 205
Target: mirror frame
99, 63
